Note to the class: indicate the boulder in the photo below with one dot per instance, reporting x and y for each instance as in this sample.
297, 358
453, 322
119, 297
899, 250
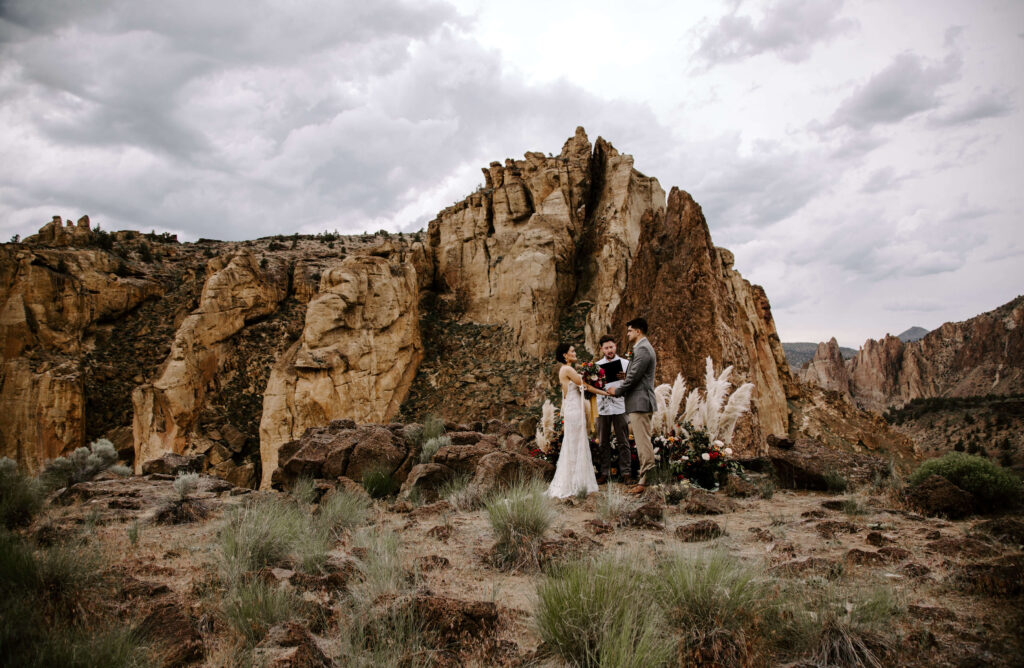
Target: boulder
935, 495
1003, 576
169, 626
426, 479
501, 468
290, 645
699, 531
172, 464
699, 502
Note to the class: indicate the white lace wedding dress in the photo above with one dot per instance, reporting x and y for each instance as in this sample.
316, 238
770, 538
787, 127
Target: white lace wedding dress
575, 470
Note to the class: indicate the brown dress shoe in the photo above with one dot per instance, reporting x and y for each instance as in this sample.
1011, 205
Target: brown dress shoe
602, 479
637, 489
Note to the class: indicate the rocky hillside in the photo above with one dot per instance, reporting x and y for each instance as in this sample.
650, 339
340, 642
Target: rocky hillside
976, 357
234, 349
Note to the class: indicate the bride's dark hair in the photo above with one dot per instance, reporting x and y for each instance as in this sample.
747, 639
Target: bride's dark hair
560, 352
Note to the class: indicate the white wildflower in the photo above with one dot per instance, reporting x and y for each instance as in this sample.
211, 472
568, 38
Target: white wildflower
706, 457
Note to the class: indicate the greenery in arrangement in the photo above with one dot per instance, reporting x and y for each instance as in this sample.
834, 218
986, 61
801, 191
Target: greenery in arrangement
987, 481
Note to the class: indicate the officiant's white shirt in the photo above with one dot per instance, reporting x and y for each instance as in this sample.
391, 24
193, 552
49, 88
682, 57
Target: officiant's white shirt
612, 405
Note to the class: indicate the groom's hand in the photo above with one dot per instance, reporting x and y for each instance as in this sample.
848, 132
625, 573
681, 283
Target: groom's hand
610, 391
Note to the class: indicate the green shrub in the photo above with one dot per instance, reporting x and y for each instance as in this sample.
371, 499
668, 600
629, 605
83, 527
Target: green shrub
431, 446
81, 465
21, 496
261, 533
251, 608
433, 427
988, 482
519, 517
304, 490
599, 613
613, 504
379, 483
342, 510
389, 635
715, 602
460, 493
380, 567
835, 483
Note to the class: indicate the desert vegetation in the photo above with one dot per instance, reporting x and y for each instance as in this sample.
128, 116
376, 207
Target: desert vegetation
351, 573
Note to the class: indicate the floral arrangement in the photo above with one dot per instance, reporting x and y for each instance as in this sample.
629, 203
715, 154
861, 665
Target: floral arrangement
592, 374
696, 447
704, 462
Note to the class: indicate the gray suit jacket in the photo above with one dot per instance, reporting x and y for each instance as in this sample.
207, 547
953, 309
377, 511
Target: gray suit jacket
638, 387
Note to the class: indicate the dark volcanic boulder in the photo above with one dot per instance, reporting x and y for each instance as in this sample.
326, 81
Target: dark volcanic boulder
810, 464
339, 449
426, 479
173, 464
937, 496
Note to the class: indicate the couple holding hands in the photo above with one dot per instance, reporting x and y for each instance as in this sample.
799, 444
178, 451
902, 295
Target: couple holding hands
632, 393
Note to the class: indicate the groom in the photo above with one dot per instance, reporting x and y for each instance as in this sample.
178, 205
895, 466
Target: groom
638, 389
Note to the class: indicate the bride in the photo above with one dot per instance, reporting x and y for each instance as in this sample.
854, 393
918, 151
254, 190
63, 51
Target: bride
575, 470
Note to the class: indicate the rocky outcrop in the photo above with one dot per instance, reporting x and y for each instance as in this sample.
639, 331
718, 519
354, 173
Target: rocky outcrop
512, 252
698, 306
343, 451
237, 291
983, 355
837, 423
359, 351
828, 369
51, 300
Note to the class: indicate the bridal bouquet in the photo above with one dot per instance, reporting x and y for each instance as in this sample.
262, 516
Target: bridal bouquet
592, 374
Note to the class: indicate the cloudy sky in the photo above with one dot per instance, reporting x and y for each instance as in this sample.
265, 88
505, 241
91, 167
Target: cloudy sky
864, 159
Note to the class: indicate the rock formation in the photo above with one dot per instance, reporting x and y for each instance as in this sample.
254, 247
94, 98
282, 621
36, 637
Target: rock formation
236, 291
233, 349
698, 306
544, 233
983, 355
828, 369
357, 356
50, 302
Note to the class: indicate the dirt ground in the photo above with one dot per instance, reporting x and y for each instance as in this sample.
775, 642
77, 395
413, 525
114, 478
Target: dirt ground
944, 624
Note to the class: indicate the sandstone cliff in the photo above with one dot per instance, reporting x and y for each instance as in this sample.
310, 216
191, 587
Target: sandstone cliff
698, 306
357, 356
544, 233
51, 300
983, 355
166, 411
231, 349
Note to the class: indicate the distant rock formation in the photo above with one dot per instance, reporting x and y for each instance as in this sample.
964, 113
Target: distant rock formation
912, 334
983, 355
799, 353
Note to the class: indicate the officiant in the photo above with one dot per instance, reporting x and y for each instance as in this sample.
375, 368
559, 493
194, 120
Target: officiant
611, 415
